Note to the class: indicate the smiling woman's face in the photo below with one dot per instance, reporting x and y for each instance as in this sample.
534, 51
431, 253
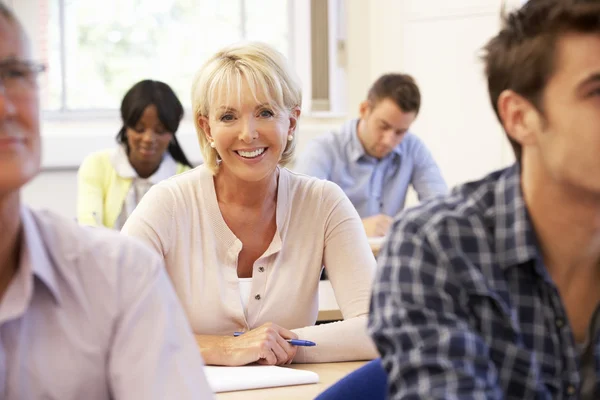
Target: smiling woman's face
148, 140
249, 135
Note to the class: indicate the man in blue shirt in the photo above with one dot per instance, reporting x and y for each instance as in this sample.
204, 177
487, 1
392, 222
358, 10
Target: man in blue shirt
375, 158
493, 291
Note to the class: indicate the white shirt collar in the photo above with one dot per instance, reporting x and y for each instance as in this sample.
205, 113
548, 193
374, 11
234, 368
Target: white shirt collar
121, 164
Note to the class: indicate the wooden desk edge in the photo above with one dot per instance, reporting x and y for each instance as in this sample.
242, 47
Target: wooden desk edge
329, 315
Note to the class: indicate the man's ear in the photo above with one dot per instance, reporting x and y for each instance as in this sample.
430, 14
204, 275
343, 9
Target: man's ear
364, 109
520, 118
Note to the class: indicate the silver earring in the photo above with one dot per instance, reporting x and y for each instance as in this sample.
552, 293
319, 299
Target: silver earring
290, 138
212, 144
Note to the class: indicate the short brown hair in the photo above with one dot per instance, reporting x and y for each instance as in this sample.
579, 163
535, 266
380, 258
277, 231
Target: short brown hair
521, 57
400, 88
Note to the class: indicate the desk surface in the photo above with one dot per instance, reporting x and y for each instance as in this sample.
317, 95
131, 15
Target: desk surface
329, 373
328, 306
375, 243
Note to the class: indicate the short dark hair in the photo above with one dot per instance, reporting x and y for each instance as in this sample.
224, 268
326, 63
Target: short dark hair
522, 56
168, 106
400, 88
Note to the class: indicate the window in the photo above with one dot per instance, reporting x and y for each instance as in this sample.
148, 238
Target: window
96, 50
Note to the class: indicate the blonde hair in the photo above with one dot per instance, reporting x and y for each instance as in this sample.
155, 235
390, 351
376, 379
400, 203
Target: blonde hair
263, 68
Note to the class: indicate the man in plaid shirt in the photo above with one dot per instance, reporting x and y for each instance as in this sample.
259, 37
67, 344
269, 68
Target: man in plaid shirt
493, 291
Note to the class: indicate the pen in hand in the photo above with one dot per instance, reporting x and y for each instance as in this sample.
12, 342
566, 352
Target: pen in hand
293, 342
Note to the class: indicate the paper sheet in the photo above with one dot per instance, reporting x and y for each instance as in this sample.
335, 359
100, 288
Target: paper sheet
227, 379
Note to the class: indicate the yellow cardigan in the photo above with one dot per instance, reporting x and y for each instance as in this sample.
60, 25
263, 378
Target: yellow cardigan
101, 191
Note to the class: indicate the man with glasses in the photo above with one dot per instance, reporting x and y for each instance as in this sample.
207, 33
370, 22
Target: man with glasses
84, 313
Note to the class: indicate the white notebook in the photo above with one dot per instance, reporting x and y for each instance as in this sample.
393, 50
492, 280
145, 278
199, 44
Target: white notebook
228, 379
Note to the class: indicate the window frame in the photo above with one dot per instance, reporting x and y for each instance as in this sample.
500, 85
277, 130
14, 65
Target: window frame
298, 18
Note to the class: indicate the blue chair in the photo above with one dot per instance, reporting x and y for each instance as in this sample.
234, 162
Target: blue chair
369, 382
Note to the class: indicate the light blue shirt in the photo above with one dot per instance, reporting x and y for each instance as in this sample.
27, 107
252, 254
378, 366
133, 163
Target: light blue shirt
373, 186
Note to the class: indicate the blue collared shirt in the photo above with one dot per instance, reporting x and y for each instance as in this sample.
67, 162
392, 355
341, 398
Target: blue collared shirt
463, 306
373, 186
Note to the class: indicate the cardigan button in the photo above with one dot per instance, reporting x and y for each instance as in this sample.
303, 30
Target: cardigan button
257, 297
261, 269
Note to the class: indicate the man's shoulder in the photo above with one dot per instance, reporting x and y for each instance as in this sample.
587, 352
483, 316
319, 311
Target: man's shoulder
467, 212
90, 250
450, 239
336, 140
411, 143
331, 141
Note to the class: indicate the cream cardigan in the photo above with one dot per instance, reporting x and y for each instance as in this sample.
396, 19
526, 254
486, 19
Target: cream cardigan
316, 226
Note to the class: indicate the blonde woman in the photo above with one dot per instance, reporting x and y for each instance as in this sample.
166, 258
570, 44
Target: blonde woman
244, 239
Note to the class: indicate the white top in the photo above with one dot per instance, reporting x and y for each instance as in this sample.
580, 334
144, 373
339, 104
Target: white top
316, 226
92, 315
139, 186
245, 290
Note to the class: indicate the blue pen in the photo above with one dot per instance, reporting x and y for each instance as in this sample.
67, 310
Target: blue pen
293, 342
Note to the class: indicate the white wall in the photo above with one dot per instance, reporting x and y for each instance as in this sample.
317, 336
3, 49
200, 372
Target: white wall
437, 41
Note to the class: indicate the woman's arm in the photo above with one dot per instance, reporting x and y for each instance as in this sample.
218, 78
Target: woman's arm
213, 349
266, 345
350, 266
90, 192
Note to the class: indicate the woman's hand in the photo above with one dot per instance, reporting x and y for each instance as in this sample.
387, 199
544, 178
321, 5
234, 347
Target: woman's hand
265, 345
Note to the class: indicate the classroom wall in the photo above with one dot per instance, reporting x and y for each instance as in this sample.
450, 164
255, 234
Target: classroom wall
436, 41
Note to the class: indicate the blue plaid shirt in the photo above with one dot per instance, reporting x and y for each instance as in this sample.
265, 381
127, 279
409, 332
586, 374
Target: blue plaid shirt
463, 307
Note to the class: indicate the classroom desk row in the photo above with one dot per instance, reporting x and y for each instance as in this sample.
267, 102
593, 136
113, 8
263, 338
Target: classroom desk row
329, 373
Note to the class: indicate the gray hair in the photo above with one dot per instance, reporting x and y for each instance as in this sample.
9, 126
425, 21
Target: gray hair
7, 13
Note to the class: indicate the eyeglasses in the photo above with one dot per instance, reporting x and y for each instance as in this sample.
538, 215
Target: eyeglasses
19, 78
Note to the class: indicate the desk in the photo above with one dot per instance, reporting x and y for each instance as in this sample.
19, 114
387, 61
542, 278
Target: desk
329, 373
375, 243
328, 306
375, 249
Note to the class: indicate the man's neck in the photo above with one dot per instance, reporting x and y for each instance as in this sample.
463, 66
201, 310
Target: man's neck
10, 226
567, 224
361, 131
